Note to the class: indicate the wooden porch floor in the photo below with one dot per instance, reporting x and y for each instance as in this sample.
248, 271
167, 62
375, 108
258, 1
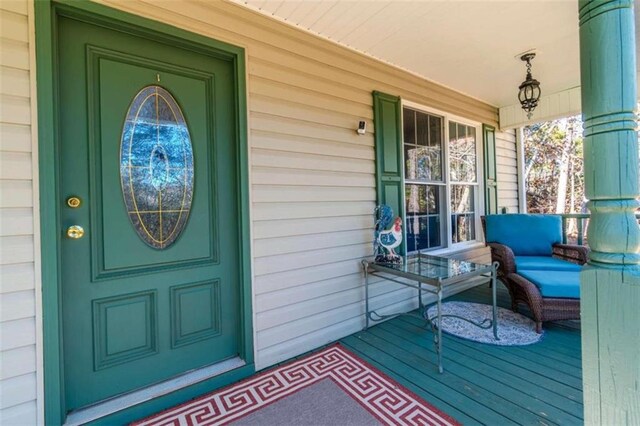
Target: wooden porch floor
482, 384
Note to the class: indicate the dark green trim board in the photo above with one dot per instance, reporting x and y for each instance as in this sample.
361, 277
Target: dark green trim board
387, 113
47, 13
490, 170
47, 169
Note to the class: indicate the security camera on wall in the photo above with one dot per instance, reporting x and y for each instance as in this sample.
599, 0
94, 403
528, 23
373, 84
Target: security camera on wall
362, 127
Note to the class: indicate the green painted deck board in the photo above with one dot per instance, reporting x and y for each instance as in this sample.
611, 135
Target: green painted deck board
509, 401
538, 363
536, 384
511, 368
513, 381
525, 356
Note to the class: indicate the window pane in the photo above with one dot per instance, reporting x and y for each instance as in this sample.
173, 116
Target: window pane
429, 165
423, 232
462, 213
462, 199
422, 163
435, 131
413, 229
453, 133
462, 152
409, 123
462, 131
423, 146
416, 199
433, 154
422, 122
471, 132
422, 199
433, 199
410, 162
417, 233
434, 234
462, 228
423, 204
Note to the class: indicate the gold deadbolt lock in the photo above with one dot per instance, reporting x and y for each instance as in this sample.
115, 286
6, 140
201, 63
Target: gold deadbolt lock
75, 232
74, 202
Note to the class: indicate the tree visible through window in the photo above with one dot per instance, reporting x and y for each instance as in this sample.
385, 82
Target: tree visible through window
554, 174
462, 166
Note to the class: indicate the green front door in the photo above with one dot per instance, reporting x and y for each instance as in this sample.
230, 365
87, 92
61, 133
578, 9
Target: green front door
148, 171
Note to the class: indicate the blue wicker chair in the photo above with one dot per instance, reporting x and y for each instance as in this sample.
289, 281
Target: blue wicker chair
537, 269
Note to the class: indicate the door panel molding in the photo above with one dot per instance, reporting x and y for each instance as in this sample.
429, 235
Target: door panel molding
207, 297
101, 271
47, 13
107, 351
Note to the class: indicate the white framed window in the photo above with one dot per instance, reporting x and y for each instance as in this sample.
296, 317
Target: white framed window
442, 171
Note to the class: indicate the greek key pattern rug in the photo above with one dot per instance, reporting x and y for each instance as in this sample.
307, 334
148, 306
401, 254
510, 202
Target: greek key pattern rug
354, 386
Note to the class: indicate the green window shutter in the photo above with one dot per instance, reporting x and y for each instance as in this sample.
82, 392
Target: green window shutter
490, 170
387, 113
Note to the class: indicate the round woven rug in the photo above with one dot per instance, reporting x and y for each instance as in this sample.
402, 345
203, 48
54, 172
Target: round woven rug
513, 329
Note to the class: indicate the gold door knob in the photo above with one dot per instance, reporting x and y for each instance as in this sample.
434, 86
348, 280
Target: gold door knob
75, 232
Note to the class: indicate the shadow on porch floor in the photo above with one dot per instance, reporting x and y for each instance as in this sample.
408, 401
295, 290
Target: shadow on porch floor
482, 384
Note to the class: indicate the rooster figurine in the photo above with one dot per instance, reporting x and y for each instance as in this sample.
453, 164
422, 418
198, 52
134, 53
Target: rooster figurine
386, 240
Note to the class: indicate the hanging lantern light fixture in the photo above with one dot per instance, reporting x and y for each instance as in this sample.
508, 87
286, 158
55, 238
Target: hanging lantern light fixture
530, 88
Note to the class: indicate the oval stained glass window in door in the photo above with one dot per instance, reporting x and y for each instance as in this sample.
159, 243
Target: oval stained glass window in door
156, 167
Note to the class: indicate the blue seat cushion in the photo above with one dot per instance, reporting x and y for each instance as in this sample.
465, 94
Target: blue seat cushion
525, 234
544, 263
560, 284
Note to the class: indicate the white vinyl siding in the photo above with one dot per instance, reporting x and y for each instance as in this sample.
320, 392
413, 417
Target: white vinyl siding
17, 276
507, 166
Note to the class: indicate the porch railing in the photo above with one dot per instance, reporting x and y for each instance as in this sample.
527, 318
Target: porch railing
574, 228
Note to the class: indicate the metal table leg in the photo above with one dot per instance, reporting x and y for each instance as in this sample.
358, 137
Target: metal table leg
366, 294
439, 348
494, 288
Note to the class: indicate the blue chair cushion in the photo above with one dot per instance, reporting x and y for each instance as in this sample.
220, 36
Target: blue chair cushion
525, 234
544, 263
560, 284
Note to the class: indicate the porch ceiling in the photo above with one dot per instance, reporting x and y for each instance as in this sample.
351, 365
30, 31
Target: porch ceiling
469, 46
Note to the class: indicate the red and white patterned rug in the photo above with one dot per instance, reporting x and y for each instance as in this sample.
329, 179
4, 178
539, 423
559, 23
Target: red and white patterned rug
387, 401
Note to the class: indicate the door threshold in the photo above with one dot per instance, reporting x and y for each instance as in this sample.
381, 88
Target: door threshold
129, 399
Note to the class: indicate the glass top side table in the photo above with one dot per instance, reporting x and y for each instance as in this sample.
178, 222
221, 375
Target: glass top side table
431, 274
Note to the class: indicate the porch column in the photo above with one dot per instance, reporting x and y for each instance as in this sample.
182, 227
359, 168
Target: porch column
610, 284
